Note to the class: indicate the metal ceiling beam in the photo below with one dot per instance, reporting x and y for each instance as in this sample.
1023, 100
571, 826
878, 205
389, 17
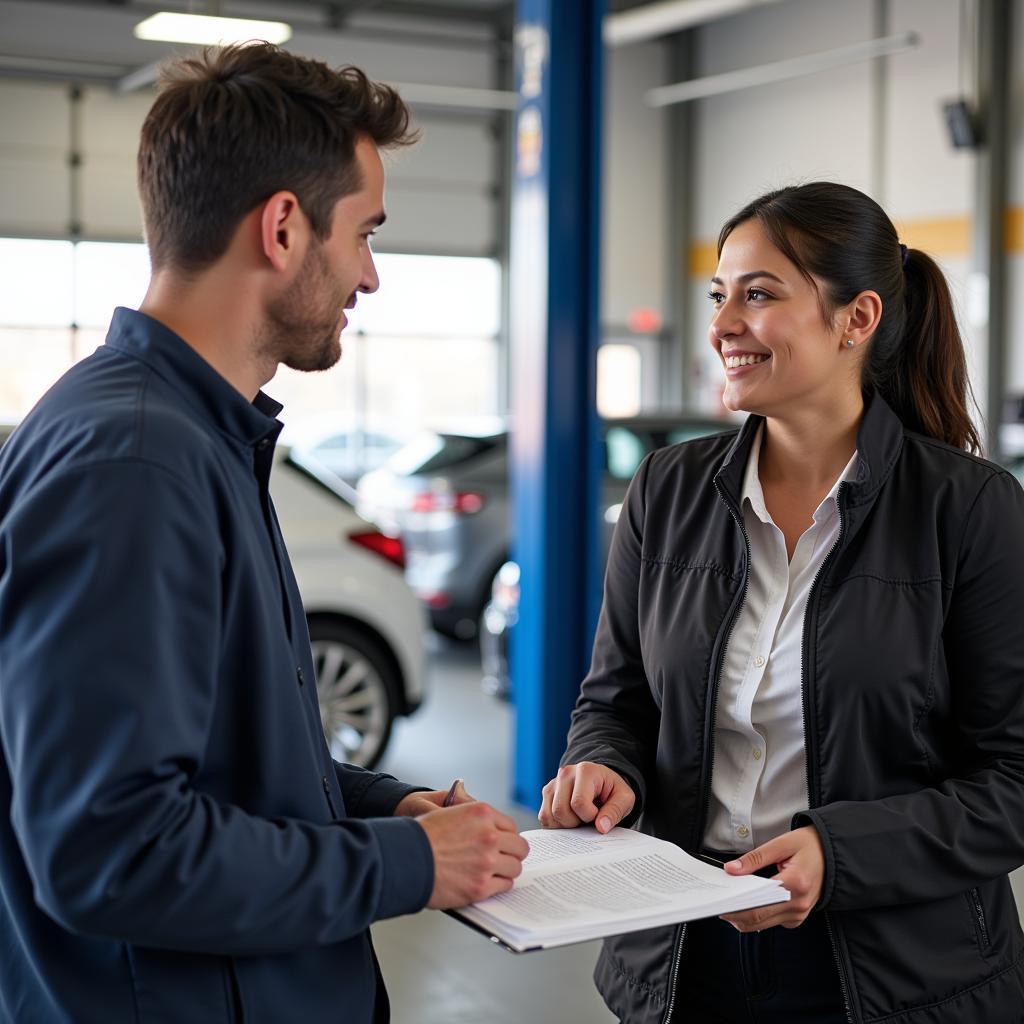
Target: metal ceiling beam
779, 71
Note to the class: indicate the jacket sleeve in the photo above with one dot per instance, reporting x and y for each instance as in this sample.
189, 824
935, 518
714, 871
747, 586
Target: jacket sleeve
371, 794
969, 828
615, 722
110, 600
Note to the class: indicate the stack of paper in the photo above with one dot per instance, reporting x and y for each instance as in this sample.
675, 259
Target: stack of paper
578, 884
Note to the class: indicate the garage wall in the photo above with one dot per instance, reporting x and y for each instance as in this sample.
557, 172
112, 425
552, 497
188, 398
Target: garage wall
876, 125
442, 194
635, 185
1015, 226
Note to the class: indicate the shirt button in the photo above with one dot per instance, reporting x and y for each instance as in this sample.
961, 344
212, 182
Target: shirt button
264, 444
759, 661
757, 753
298, 675
742, 831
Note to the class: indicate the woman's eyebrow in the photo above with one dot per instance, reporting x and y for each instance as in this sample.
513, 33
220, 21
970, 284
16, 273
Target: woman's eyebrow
744, 278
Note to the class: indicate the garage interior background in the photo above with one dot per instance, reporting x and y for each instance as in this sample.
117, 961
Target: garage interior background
75, 86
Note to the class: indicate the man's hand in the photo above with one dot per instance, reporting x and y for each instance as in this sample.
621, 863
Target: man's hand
801, 863
477, 853
585, 791
415, 804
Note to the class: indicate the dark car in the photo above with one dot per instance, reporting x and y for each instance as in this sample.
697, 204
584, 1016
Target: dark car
502, 611
446, 494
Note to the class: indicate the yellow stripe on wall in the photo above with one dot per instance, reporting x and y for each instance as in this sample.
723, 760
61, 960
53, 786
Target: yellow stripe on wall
1015, 229
941, 236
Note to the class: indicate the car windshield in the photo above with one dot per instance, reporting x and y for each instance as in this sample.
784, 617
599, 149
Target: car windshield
431, 453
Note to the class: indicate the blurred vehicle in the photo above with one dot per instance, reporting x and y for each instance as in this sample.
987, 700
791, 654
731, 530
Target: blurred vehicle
502, 611
366, 626
500, 615
347, 447
626, 442
446, 495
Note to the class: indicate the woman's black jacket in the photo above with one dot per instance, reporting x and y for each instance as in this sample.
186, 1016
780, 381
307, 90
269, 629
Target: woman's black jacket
913, 697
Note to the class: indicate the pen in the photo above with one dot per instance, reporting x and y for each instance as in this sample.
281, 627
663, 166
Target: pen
450, 797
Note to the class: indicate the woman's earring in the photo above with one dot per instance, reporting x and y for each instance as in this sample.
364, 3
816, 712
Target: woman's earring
849, 342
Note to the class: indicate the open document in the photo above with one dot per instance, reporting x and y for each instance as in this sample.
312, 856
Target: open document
578, 884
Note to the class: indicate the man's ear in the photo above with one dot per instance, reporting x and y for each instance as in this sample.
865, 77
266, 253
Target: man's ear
284, 230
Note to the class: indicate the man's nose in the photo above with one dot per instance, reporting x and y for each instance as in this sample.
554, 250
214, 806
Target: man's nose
370, 282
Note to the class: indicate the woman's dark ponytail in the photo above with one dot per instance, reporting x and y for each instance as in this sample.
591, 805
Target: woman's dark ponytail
923, 375
843, 238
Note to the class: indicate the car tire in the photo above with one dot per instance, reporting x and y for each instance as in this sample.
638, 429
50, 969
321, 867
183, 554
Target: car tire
357, 688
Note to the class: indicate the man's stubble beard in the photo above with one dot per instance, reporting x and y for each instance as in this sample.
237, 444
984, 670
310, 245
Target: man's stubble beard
302, 329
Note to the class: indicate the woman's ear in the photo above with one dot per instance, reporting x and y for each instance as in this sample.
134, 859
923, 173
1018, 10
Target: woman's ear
861, 317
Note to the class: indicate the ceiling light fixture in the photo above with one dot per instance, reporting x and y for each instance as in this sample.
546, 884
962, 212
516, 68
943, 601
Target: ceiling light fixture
203, 29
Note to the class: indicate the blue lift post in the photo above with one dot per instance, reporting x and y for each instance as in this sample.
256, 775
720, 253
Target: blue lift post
555, 444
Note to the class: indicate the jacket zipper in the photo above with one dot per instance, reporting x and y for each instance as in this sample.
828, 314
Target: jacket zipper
811, 775
979, 915
673, 977
716, 675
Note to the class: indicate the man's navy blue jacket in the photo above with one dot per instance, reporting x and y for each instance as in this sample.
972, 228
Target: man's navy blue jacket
176, 844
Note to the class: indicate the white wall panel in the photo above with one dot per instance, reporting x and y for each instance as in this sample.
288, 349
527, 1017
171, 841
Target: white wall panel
443, 193
34, 180
635, 190
432, 221
924, 175
808, 128
110, 126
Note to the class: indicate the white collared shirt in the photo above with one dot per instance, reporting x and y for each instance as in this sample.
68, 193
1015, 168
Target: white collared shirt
759, 776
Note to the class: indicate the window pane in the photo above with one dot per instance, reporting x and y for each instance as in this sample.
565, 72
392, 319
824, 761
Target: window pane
618, 380
31, 359
35, 283
447, 296
108, 274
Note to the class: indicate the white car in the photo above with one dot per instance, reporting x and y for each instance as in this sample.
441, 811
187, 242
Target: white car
366, 626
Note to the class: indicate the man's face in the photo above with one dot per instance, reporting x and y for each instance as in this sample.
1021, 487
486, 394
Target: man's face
305, 323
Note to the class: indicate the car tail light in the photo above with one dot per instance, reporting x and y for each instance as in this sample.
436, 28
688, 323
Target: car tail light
380, 544
465, 502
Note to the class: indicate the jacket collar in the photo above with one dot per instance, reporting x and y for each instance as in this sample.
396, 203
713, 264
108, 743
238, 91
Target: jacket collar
206, 391
879, 442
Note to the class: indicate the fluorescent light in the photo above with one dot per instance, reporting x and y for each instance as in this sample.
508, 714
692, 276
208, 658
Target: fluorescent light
659, 19
203, 29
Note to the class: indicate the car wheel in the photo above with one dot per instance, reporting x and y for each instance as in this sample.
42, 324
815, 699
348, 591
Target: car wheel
357, 688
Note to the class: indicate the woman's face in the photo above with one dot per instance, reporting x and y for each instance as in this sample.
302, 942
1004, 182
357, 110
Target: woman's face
768, 330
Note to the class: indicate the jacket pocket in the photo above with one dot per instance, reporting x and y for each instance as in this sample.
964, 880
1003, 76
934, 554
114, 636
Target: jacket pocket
980, 923
174, 987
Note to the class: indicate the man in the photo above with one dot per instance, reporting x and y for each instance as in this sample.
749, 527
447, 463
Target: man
176, 843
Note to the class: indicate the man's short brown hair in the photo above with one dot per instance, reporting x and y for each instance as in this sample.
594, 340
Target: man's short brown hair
232, 126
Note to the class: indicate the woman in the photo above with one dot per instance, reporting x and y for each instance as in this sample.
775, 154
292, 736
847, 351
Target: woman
810, 657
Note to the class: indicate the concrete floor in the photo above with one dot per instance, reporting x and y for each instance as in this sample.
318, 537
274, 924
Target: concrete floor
437, 970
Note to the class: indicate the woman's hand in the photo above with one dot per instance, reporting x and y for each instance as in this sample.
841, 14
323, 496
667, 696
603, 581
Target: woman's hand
580, 791
801, 863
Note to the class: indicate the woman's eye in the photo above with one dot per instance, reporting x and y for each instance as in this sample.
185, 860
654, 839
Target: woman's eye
716, 297
756, 294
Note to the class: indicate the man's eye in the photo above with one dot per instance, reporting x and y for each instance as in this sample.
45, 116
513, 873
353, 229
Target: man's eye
716, 297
